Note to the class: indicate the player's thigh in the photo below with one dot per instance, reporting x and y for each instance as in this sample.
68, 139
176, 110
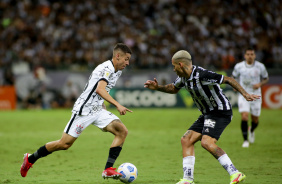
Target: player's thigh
256, 107
78, 123
243, 104
107, 121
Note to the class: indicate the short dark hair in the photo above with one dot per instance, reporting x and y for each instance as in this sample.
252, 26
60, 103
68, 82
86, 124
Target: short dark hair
249, 48
124, 48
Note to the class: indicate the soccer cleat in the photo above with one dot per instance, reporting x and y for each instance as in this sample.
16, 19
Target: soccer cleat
26, 165
251, 136
245, 144
185, 181
111, 173
237, 178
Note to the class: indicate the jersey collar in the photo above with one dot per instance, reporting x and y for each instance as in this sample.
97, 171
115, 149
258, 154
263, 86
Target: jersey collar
249, 66
191, 76
113, 66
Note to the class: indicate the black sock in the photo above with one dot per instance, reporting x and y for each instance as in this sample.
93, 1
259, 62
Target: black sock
244, 128
41, 152
113, 154
254, 126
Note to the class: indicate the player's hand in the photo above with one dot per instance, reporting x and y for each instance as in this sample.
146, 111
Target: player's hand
122, 110
256, 86
151, 84
251, 97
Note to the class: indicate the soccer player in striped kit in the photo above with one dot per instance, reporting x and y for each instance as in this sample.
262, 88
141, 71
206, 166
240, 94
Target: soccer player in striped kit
89, 109
251, 74
203, 85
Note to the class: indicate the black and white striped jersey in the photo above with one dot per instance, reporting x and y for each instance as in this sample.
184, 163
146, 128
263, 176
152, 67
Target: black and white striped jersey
203, 85
89, 101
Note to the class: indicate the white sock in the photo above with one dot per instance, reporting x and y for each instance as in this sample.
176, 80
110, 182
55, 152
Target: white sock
188, 167
227, 164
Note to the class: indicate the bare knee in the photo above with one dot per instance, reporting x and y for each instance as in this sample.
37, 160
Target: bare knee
245, 116
208, 143
63, 145
255, 119
123, 133
66, 146
190, 138
205, 144
186, 141
118, 129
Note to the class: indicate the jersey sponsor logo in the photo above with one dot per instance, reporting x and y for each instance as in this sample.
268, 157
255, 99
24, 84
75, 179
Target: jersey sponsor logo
209, 123
210, 80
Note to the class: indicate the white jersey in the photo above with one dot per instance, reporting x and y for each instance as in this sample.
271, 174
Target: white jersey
89, 101
249, 75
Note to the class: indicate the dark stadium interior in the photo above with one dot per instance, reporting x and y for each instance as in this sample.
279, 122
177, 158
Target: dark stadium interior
78, 35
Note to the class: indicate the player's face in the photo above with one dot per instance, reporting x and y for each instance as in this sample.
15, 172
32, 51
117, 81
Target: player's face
250, 56
122, 60
177, 69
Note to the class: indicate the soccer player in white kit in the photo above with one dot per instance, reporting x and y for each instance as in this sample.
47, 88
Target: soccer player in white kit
89, 109
251, 74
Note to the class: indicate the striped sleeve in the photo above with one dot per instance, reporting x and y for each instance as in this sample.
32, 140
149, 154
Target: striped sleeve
178, 83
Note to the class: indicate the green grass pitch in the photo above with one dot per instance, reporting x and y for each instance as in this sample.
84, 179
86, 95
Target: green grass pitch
153, 145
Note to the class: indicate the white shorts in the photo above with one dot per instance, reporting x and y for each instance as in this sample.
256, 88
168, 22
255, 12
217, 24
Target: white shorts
78, 123
244, 106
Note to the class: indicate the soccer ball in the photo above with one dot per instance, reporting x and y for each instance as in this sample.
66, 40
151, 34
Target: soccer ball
129, 172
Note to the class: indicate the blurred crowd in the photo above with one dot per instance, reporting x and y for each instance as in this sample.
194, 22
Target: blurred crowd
79, 35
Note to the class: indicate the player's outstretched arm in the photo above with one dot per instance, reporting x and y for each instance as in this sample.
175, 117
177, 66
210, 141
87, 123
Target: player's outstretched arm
232, 82
169, 88
263, 82
101, 90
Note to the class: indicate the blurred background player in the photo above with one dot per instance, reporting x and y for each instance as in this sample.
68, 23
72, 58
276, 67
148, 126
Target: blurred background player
251, 74
89, 109
203, 85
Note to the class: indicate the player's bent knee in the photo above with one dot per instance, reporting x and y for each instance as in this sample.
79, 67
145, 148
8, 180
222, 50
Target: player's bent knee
125, 132
186, 141
120, 128
63, 145
208, 143
205, 143
66, 146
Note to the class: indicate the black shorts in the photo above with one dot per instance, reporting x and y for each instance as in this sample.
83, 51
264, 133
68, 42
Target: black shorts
212, 124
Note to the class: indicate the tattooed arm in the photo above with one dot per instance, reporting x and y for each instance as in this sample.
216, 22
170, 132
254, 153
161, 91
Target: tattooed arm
232, 82
169, 88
